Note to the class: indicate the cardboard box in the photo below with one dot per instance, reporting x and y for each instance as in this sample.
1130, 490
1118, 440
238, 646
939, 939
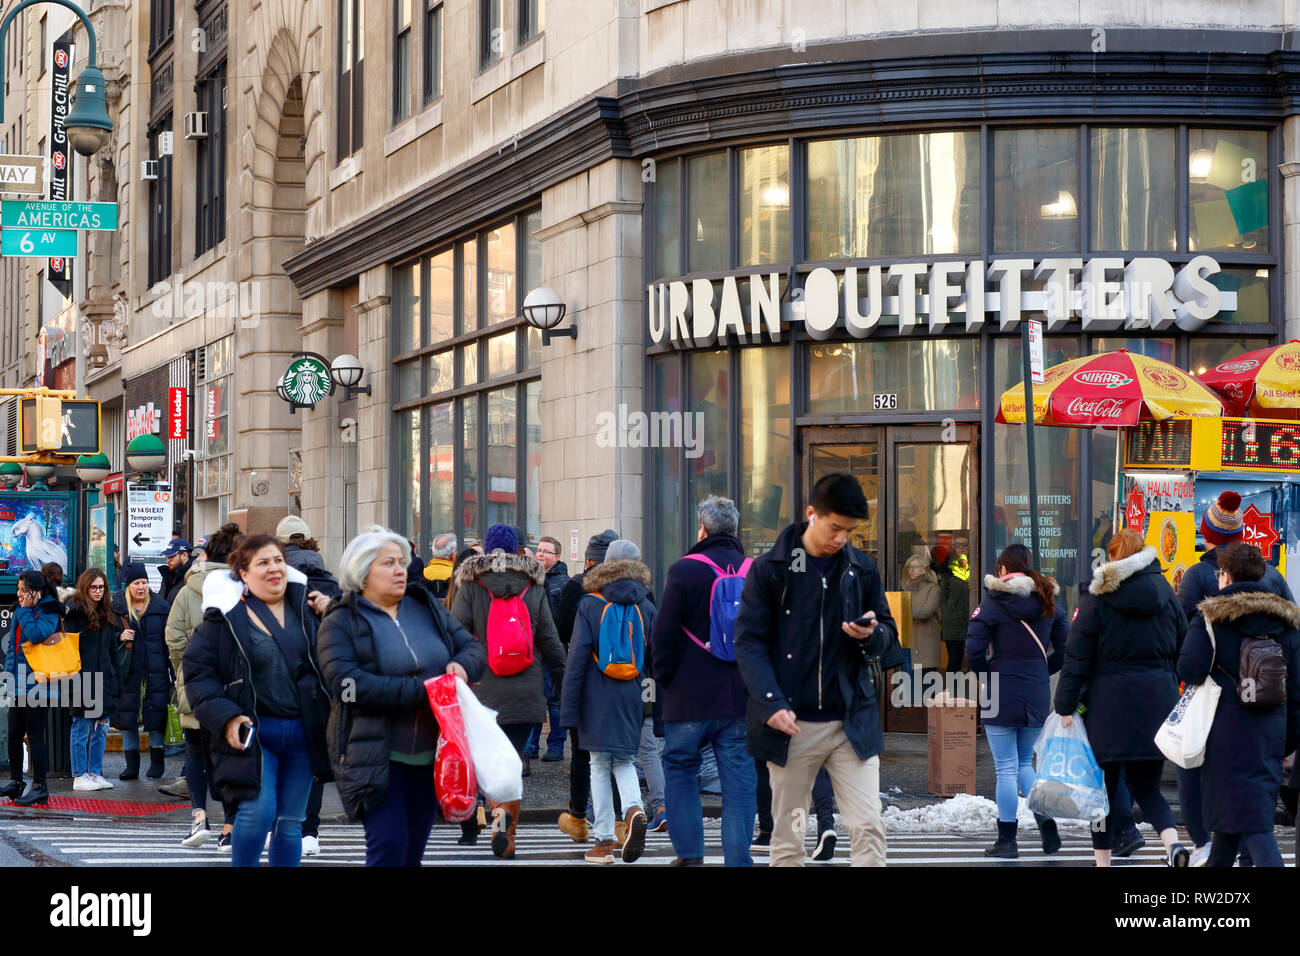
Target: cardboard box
951, 730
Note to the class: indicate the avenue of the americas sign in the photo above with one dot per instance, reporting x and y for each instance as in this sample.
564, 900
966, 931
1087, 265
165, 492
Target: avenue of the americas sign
1106, 293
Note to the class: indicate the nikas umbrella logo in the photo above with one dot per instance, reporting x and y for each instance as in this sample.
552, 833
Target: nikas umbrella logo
1103, 378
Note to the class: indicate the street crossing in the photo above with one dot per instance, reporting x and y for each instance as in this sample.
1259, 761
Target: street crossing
97, 843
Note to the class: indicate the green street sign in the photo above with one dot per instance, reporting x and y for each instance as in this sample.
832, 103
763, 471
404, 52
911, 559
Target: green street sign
43, 243
41, 214
307, 380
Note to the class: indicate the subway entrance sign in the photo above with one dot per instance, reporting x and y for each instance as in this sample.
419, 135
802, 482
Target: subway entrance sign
43, 214
38, 242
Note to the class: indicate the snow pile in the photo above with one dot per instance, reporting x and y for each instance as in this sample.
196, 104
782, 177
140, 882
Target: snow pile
960, 814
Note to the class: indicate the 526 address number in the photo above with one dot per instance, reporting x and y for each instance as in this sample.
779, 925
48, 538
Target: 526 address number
884, 400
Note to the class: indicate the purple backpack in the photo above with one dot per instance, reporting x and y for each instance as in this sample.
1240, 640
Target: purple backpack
724, 606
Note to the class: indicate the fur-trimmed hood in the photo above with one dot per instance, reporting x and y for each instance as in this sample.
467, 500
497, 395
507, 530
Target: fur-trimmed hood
1234, 606
1021, 585
224, 591
602, 575
501, 572
1017, 595
1109, 576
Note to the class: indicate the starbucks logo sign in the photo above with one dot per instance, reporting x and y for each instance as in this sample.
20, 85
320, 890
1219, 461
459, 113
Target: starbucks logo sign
307, 381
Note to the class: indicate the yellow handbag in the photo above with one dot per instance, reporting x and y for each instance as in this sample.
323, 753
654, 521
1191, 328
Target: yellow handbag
54, 660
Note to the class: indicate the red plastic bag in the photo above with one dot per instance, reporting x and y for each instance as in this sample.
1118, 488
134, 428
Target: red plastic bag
453, 772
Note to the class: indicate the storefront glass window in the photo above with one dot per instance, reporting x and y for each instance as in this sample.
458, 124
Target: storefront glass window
502, 457
668, 218
408, 473
408, 381
533, 349
704, 430
765, 461
442, 437
667, 464
1227, 172
1204, 354
501, 274
533, 461
706, 213
469, 286
1133, 180
532, 252
442, 372
442, 296
469, 364
469, 529
920, 374
1104, 445
1251, 286
764, 205
501, 355
1035, 190
912, 194
1057, 454
1156, 348
406, 306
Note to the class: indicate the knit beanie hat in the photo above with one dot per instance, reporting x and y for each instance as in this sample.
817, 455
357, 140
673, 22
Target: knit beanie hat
133, 572
501, 536
623, 550
598, 544
1222, 521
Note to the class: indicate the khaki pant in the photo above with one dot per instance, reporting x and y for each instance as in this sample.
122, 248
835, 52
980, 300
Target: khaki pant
857, 792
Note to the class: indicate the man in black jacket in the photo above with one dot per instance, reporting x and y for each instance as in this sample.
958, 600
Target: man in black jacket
177, 562
557, 576
808, 668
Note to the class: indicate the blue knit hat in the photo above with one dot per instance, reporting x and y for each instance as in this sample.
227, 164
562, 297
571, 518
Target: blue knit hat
501, 536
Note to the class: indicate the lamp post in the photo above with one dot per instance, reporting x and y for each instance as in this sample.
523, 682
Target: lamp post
92, 469
87, 123
37, 474
11, 475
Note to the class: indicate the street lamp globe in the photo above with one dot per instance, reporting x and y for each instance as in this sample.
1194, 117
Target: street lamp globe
146, 453
11, 475
39, 471
88, 124
543, 308
92, 469
347, 370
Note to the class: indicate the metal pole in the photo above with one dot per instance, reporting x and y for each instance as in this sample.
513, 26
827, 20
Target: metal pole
1114, 507
1029, 441
92, 61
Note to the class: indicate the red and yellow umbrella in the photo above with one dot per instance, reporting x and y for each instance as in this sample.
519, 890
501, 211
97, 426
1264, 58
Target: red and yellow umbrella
1112, 390
1260, 382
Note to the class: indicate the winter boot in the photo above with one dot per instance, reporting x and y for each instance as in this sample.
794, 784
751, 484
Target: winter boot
36, 793
132, 770
512, 815
12, 789
500, 828
468, 833
156, 768
1047, 829
1005, 848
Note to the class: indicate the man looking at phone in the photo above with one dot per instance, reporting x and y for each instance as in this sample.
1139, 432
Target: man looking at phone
813, 613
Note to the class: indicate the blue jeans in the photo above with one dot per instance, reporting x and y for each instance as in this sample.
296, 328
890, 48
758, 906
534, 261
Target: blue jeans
554, 736
130, 740
281, 804
1013, 761
397, 829
602, 794
88, 738
681, 760
1261, 846
649, 760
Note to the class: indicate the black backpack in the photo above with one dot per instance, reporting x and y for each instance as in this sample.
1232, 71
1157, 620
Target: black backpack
1262, 669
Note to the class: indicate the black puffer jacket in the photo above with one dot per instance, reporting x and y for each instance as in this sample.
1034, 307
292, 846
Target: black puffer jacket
1242, 772
1121, 653
219, 686
98, 647
359, 732
149, 665
312, 564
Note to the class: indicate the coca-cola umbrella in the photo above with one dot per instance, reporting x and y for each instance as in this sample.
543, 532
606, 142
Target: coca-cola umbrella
1111, 390
1264, 383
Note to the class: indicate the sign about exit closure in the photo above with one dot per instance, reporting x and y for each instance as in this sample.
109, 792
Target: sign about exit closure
40, 214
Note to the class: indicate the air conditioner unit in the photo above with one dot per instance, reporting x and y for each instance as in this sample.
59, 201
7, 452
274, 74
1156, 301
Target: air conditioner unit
165, 143
149, 169
196, 125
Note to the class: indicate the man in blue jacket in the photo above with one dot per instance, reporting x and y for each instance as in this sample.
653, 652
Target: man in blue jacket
808, 667
703, 696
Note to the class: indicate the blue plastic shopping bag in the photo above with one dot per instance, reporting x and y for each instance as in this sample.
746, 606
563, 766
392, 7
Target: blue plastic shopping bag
1069, 784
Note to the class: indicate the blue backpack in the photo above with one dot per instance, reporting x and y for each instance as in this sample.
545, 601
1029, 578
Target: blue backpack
620, 645
724, 607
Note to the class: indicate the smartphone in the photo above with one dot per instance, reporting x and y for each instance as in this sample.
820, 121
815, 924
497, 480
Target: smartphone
866, 620
245, 735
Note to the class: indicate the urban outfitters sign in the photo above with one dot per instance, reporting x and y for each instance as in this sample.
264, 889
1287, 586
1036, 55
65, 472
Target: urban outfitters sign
1105, 293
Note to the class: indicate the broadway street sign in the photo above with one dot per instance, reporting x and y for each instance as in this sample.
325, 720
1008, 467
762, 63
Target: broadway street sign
38, 214
22, 175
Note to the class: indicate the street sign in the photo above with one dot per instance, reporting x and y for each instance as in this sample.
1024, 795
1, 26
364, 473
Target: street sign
22, 175
38, 242
149, 518
1036, 352
1135, 515
41, 214
80, 427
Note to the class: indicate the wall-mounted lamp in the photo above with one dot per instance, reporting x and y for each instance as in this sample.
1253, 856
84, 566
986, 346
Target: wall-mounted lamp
347, 371
544, 310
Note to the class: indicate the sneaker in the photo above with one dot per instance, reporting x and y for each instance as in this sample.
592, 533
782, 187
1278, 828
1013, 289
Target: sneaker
179, 788
84, 782
575, 827
310, 846
761, 842
620, 831
552, 756
602, 852
825, 846
634, 841
659, 822
199, 834
688, 861
1127, 844
223, 842
1178, 856
1200, 855
103, 784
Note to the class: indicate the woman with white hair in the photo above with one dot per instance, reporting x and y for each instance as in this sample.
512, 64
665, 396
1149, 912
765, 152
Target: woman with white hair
923, 584
378, 644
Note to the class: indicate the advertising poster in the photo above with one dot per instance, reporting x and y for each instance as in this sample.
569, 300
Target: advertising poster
33, 531
1173, 535
99, 551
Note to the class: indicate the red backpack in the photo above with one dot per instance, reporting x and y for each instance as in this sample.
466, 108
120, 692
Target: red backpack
509, 634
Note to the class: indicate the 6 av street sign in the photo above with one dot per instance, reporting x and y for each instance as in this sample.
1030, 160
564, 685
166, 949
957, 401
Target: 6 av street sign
40, 214
38, 242
23, 175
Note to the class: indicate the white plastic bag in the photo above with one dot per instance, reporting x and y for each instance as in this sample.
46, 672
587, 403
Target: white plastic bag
1185, 732
497, 767
1070, 784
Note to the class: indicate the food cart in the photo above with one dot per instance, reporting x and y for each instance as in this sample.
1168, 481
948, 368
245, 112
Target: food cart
1176, 468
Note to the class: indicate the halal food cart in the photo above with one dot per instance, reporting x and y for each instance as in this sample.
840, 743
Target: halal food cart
1176, 468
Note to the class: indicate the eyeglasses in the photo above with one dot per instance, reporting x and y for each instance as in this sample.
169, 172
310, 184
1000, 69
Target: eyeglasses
96, 587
